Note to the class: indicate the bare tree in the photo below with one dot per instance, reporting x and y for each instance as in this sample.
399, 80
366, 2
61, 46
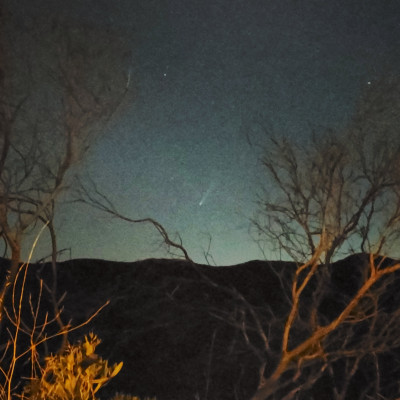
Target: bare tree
88, 193
59, 85
338, 195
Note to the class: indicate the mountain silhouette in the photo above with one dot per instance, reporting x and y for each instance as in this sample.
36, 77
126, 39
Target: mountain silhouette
186, 331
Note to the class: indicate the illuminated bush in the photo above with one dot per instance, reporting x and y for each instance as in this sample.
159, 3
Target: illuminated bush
77, 374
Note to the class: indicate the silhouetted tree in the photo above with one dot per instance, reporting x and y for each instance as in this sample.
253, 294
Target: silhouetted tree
88, 193
59, 85
337, 195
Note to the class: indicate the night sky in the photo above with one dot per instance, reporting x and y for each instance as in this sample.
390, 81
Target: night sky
206, 75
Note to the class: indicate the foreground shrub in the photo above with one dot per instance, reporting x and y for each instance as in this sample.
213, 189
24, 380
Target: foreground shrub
77, 374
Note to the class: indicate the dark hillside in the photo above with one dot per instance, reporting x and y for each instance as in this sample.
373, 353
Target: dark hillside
187, 331
164, 320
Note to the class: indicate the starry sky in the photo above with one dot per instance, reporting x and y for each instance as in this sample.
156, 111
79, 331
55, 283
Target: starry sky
209, 78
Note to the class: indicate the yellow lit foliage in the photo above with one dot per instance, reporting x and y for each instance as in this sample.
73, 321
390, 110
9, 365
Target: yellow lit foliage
75, 375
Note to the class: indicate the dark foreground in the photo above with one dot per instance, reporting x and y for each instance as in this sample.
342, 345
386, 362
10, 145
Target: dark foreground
189, 331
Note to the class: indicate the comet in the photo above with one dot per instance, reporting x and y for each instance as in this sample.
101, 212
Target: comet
205, 195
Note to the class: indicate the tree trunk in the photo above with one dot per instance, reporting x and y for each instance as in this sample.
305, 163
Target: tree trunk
268, 387
10, 277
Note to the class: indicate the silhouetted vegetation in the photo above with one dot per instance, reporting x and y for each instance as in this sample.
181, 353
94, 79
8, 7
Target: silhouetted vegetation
336, 196
323, 325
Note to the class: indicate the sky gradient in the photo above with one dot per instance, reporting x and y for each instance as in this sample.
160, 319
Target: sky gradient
184, 151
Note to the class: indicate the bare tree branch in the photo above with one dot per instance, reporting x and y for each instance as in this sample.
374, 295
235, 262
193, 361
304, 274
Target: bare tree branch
94, 198
56, 96
336, 194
